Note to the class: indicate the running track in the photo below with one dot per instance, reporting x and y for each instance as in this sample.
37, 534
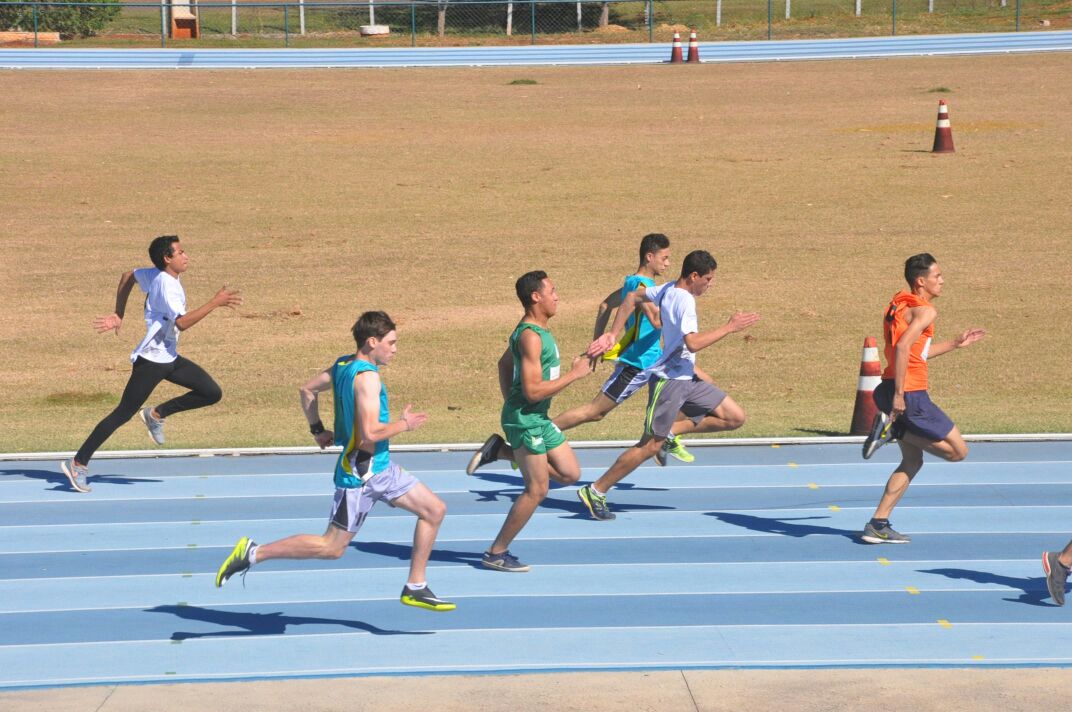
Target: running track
746, 558
534, 55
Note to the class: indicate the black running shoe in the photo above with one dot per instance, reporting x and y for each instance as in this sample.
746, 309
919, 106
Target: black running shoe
424, 598
882, 431
488, 452
596, 503
503, 562
1056, 576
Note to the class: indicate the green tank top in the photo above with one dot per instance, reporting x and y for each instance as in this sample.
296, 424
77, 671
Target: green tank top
517, 410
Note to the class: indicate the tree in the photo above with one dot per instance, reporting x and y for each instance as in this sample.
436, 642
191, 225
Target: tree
68, 20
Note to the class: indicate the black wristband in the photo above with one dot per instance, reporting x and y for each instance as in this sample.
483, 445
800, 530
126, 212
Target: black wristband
316, 428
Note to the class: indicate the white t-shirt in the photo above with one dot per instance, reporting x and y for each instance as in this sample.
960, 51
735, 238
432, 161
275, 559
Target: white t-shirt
677, 309
165, 301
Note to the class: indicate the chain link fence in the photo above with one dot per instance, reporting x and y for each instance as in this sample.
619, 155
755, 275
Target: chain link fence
480, 22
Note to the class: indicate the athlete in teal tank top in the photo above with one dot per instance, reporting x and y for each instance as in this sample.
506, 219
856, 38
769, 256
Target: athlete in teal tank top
362, 479
354, 464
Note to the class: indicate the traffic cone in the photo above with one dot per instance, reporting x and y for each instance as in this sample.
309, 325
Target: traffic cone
675, 52
694, 49
870, 376
943, 132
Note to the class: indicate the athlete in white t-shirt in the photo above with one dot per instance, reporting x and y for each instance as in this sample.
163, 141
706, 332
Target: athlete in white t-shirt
156, 358
679, 395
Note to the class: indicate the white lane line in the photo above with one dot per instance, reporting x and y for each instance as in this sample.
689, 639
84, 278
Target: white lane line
626, 564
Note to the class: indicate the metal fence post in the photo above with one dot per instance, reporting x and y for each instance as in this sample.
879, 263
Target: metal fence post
412, 24
286, 25
770, 12
1017, 15
651, 21
163, 24
35, 23
532, 4
893, 13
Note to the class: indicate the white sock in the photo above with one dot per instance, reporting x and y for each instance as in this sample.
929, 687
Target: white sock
416, 586
253, 554
593, 488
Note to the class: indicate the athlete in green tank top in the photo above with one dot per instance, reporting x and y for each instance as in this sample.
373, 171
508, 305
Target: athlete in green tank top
529, 375
517, 411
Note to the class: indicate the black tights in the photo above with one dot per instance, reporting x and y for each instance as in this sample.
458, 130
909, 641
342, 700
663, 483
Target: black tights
143, 379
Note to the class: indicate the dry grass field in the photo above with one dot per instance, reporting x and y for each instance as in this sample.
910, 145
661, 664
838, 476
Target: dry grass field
427, 192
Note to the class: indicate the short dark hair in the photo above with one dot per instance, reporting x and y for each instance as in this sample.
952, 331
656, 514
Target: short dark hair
918, 266
160, 248
527, 284
699, 261
653, 242
371, 324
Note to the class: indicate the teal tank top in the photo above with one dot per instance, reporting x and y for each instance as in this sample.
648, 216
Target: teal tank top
355, 465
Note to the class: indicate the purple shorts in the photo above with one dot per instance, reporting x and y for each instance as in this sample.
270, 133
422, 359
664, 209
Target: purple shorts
921, 416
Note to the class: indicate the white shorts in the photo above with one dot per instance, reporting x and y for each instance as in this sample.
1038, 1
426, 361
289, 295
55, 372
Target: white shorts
352, 504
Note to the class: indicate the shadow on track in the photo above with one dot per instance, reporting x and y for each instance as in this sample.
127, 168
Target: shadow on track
514, 479
58, 479
785, 526
259, 623
402, 552
1034, 589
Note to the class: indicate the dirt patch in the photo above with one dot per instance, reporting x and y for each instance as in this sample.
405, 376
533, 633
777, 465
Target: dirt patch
430, 206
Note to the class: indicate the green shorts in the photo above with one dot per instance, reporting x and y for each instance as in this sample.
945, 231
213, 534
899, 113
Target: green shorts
537, 439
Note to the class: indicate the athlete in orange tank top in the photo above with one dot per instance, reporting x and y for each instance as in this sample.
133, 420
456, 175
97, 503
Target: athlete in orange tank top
902, 397
895, 325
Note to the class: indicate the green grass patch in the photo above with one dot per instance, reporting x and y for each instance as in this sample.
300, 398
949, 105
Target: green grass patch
940, 90
523, 82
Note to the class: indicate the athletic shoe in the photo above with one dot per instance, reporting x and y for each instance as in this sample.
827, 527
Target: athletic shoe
77, 475
236, 563
661, 456
424, 598
488, 452
503, 562
1056, 575
675, 447
882, 431
596, 503
156, 427
884, 535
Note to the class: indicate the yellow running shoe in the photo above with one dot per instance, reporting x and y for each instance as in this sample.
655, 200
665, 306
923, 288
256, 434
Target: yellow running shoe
424, 598
236, 563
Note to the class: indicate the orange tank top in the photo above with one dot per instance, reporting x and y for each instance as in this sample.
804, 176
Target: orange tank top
894, 325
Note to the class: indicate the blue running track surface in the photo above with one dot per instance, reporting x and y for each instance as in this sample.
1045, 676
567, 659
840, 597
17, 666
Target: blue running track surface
534, 55
748, 557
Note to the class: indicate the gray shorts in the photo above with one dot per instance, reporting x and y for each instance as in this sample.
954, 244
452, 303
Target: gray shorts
352, 504
624, 382
668, 397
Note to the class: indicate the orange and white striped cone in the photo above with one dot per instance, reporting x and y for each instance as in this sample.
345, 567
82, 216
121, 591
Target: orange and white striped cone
694, 49
870, 376
943, 132
675, 51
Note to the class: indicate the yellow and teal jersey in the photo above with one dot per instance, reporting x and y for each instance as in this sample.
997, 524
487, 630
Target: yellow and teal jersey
639, 346
355, 464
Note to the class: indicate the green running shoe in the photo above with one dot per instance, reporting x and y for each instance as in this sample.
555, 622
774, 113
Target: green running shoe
236, 563
675, 447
